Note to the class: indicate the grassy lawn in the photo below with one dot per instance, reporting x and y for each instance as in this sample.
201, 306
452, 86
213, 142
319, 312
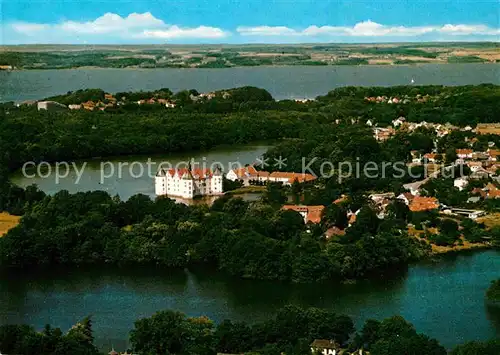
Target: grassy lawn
247, 189
491, 220
7, 221
440, 249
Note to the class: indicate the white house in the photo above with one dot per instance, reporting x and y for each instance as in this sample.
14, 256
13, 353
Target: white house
51, 106
416, 157
398, 122
289, 178
464, 153
474, 165
324, 347
460, 183
188, 183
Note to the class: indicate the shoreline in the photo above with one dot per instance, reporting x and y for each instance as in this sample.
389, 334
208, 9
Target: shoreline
91, 67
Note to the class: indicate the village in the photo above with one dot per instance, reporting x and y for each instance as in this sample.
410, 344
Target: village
482, 171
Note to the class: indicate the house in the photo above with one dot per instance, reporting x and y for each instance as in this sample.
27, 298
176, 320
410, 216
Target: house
493, 154
341, 199
474, 165
492, 191
479, 174
188, 183
51, 106
460, 183
431, 157
414, 187
406, 197
382, 200
74, 107
480, 156
383, 134
398, 121
416, 157
420, 203
464, 153
352, 216
311, 214
488, 128
325, 347
290, 178
89, 105
109, 97
245, 174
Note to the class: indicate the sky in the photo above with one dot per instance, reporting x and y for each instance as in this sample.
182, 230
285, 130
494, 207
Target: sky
246, 21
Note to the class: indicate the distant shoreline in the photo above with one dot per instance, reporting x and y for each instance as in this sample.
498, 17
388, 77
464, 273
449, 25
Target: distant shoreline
244, 66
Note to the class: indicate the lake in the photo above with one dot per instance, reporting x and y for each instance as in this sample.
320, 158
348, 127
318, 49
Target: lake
130, 175
282, 82
444, 300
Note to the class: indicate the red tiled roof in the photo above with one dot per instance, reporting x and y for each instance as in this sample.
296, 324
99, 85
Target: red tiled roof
196, 173
420, 203
341, 199
292, 176
313, 212
464, 151
245, 171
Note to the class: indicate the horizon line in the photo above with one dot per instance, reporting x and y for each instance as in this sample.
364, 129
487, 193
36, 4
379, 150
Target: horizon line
251, 43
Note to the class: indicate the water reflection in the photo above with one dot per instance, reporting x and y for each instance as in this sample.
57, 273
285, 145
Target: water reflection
433, 296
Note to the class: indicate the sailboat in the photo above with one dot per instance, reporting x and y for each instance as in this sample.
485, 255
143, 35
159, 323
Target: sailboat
412, 81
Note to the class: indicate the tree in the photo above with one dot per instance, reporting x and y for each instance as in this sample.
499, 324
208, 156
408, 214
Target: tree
491, 347
448, 228
162, 333
493, 293
333, 215
451, 155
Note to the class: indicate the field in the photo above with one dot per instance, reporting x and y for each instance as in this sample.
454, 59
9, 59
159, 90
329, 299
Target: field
491, 220
225, 56
7, 222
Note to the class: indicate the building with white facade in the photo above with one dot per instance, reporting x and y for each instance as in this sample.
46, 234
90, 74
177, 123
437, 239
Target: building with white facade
188, 183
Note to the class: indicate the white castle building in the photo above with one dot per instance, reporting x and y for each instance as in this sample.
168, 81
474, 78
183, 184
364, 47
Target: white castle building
188, 183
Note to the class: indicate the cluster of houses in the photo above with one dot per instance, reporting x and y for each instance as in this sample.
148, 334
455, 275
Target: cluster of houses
331, 347
248, 175
324, 347
405, 99
109, 101
384, 133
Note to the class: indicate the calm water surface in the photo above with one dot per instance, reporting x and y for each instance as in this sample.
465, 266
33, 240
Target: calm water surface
122, 176
281, 82
444, 300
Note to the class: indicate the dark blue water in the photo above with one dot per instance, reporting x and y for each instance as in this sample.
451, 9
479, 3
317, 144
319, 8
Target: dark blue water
442, 299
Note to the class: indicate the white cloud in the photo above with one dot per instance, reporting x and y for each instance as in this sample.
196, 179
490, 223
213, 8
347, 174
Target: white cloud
370, 29
110, 22
29, 28
145, 27
266, 31
110, 27
176, 32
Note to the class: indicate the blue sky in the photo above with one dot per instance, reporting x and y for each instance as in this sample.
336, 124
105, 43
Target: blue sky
247, 21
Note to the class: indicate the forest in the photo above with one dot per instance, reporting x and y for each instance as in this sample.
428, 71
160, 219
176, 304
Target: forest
251, 240
241, 238
290, 332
